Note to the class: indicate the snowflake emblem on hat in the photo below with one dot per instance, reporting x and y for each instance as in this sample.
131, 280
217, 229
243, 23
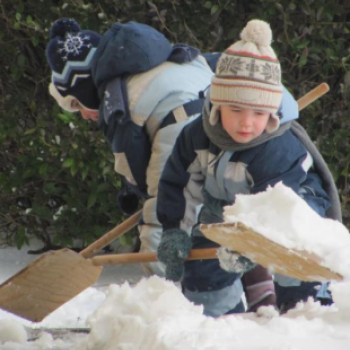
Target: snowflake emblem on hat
74, 45
272, 72
229, 64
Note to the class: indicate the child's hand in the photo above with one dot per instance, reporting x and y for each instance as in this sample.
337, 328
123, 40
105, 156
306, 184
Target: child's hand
232, 261
173, 249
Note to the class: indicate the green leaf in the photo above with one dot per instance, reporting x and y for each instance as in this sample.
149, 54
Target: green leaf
35, 41
68, 163
102, 187
91, 200
20, 237
66, 117
42, 211
302, 44
302, 60
74, 169
292, 6
214, 9
207, 4
43, 169
21, 60
84, 173
30, 131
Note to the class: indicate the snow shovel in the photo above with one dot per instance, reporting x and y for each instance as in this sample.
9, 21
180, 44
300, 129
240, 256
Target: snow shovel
293, 263
56, 277
298, 264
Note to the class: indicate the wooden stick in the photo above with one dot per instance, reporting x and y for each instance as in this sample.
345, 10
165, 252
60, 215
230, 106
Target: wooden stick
110, 236
312, 95
115, 259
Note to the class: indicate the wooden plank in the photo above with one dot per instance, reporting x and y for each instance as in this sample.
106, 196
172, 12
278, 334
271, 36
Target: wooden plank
47, 283
289, 262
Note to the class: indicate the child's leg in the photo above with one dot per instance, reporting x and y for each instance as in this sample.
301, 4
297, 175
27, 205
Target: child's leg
205, 283
259, 288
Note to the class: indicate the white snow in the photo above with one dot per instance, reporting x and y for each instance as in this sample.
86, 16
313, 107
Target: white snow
153, 313
11, 330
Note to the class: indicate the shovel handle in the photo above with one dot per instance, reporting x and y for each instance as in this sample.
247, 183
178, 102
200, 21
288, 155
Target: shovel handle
312, 95
115, 259
110, 236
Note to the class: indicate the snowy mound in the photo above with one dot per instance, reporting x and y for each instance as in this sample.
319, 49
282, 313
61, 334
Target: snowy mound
282, 216
154, 315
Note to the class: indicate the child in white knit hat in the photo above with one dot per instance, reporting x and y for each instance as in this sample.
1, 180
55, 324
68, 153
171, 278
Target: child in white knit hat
238, 146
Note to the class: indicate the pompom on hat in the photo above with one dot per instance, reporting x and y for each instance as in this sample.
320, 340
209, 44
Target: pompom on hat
70, 53
248, 75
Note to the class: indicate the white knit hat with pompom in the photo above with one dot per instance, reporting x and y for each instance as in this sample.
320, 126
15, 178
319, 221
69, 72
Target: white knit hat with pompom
248, 75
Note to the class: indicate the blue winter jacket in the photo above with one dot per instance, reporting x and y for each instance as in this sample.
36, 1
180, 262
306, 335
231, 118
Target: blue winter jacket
223, 174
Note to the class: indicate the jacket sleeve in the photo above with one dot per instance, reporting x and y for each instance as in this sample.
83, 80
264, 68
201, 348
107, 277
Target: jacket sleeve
282, 159
171, 201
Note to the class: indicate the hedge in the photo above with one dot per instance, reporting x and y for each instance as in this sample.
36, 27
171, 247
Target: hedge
56, 171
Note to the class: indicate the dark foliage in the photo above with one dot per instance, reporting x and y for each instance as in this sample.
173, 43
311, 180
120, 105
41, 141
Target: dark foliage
56, 171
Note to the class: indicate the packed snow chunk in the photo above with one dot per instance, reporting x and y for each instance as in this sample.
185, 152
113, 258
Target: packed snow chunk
282, 216
340, 294
136, 315
45, 341
12, 331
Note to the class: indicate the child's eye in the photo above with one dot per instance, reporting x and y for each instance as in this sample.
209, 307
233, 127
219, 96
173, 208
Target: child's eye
236, 110
260, 113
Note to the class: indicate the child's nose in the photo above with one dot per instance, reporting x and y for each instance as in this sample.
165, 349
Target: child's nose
246, 119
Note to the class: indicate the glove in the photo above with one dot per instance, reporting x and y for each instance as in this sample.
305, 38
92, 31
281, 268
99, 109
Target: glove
233, 262
128, 201
173, 249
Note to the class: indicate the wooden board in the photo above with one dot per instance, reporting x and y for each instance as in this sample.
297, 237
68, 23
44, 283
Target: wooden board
47, 283
293, 263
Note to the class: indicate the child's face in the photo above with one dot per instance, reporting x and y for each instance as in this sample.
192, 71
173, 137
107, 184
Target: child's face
243, 124
87, 114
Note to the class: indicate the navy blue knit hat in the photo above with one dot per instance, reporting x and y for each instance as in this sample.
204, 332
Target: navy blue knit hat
70, 53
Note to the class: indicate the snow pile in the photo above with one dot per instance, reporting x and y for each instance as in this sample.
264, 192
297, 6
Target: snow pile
12, 331
154, 315
282, 216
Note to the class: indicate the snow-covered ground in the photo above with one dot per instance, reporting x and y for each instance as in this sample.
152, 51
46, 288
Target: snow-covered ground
125, 311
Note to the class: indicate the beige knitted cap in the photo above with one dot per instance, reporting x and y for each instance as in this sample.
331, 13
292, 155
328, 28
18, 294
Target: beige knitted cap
248, 74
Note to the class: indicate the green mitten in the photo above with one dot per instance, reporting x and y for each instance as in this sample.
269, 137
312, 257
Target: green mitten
173, 249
